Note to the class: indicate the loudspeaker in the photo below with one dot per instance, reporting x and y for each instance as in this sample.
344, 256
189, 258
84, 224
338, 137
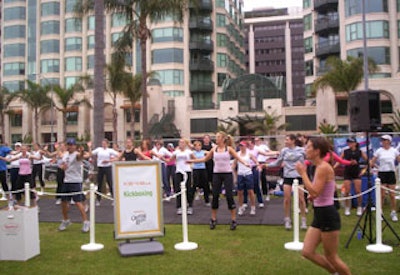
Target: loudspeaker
365, 111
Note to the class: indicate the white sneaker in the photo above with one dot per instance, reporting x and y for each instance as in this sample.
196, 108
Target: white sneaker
393, 215
58, 201
303, 225
244, 206
64, 225
179, 211
208, 204
288, 223
241, 211
359, 211
267, 198
97, 203
253, 211
261, 205
86, 226
72, 201
347, 211
190, 211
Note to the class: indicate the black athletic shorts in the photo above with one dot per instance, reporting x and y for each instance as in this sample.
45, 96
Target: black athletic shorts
326, 218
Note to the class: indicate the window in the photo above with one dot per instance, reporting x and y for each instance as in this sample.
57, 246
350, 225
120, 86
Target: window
167, 56
16, 137
50, 27
115, 37
13, 86
173, 93
90, 62
386, 107
220, 3
202, 101
221, 20
307, 20
73, 25
221, 40
306, 4
73, 44
167, 35
14, 13
170, 77
69, 5
222, 60
128, 115
50, 8
309, 67
16, 120
90, 42
72, 118
308, 45
203, 125
119, 20
73, 64
342, 107
70, 81
49, 46
221, 78
375, 29
381, 55
15, 68
353, 7
91, 22
50, 66
17, 31
301, 123
14, 50
309, 91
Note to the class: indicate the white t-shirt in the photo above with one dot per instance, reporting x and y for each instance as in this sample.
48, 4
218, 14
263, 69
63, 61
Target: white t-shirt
386, 159
181, 160
262, 148
163, 152
243, 170
73, 173
37, 154
104, 156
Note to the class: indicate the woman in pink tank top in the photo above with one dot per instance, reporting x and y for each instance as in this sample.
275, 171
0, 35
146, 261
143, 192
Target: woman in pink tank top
326, 224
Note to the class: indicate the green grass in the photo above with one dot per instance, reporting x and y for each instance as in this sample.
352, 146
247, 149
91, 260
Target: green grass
248, 250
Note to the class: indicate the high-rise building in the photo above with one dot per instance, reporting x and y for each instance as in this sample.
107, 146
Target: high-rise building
335, 28
47, 43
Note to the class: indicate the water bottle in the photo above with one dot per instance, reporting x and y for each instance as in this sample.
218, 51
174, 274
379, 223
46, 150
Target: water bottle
359, 234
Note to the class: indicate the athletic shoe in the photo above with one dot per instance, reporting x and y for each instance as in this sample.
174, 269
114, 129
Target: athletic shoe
303, 225
359, 211
86, 226
288, 223
253, 211
72, 201
58, 201
244, 205
393, 215
347, 211
213, 224
97, 203
233, 225
64, 225
190, 211
240, 211
261, 205
208, 204
179, 211
267, 198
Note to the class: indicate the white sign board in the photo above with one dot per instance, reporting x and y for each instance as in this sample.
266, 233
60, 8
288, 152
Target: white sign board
138, 208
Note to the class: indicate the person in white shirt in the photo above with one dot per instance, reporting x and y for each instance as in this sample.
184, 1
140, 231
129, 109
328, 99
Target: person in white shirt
161, 153
261, 146
386, 156
105, 156
37, 166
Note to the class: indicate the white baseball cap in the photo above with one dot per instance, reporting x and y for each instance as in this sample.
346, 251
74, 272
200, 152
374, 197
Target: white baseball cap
387, 137
18, 144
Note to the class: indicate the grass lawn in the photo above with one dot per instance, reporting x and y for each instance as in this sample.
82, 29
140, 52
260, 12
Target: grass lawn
248, 250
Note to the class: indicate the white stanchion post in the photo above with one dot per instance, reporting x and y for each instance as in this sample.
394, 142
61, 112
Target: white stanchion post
92, 245
185, 245
378, 247
3, 195
296, 244
27, 195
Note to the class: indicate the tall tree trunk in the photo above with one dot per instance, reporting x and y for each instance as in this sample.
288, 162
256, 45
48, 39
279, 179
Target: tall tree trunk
3, 131
115, 119
143, 41
36, 117
99, 83
132, 124
64, 126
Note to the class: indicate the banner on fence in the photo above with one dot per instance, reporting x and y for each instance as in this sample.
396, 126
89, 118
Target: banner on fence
138, 208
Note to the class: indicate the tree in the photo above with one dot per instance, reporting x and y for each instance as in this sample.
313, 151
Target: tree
266, 125
4, 94
326, 128
133, 93
227, 127
66, 99
36, 97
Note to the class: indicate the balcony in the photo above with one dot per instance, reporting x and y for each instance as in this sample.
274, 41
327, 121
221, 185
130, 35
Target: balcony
203, 5
327, 25
201, 23
205, 106
203, 45
202, 87
204, 64
326, 49
322, 5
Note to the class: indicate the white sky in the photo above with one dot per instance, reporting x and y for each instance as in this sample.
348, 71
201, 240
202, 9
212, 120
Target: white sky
250, 4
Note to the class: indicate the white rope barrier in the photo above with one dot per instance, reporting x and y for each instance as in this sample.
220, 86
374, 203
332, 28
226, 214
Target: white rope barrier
348, 197
296, 244
390, 190
378, 247
92, 245
185, 245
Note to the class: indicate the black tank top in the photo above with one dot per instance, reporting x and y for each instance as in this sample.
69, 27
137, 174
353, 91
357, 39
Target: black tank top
129, 155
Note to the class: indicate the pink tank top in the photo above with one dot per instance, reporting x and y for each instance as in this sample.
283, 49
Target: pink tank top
222, 161
25, 166
325, 198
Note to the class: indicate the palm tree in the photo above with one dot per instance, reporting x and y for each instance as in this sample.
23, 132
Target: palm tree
66, 98
133, 93
36, 97
227, 127
4, 94
267, 124
326, 128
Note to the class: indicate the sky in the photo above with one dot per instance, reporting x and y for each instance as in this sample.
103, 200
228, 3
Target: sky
250, 4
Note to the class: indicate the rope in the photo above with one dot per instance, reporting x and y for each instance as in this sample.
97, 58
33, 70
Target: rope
349, 197
172, 197
390, 190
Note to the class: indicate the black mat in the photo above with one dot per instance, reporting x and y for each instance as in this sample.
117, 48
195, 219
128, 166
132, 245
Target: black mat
271, 214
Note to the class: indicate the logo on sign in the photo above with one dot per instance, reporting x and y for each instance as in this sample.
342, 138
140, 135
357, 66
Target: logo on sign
138, 217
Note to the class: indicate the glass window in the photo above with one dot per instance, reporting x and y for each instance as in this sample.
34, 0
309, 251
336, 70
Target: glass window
73, 64
14, 13
50, 27
173, 93
73, 44
50, 46
221, 40
115, 37
220, 3
221, 20
342, 107
16, 31
128, 115
13, 86
14, 50
90, 62
90, 42
167, 35
308, 45
13, 1
202, 101
14, 68
16, 121
50, 66
222, 60
69, 5
119, 20
91, 22
50, 8
306, 4
73, 25
167, 56
221, 78
309, 91
309, 67
170, 77
203, 125
70, 81
72, 118
375, 29
301, 123
353, 7
307, 20
380, 55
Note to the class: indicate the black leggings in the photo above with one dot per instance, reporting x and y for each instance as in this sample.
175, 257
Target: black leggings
227, 180
60, 181
37, 170
101, 172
